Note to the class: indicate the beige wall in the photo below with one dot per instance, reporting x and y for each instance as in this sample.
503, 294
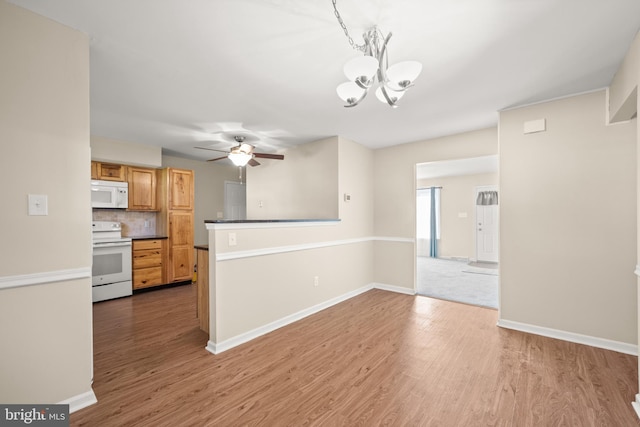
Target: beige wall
251, 292
623, 91
303, 185
209, 190
458, 195
124, 152
394, 196
45, 329
568, 219
355, 172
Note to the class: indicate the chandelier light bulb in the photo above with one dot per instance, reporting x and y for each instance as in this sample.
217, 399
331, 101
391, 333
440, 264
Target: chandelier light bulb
350, 92
403, 74
362, 68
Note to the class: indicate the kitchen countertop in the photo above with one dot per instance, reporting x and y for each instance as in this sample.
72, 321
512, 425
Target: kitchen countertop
202, 247
151, 237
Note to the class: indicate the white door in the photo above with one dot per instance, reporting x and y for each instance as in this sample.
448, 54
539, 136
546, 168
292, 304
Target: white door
235, 200
487, 231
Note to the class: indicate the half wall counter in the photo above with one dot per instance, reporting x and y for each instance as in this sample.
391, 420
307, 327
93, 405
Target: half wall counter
264, 274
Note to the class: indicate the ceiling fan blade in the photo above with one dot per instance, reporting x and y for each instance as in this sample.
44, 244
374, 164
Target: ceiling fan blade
254, 162
212, 149
217, 158
269, 156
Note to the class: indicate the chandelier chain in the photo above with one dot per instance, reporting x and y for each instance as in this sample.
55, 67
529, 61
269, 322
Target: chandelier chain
355, 46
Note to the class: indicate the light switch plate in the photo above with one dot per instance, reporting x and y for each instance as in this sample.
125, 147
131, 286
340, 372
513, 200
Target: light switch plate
232, 239
38, 204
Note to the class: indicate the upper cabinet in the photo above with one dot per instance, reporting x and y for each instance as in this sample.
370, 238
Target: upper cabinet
143, 189
94, 170
180, 189
108, 171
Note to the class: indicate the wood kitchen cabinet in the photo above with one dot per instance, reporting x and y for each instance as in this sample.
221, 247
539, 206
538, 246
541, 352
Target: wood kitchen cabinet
175, 198
108, 171
148, 263
180, 189
94, 170
142, 189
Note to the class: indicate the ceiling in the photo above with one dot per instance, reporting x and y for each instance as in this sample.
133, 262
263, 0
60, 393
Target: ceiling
181, 74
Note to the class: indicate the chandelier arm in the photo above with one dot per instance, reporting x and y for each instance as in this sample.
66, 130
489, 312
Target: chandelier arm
364, 85
386, 96
383, 62
357, 101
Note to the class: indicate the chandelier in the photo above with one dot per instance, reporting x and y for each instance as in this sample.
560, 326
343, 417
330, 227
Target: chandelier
372, 69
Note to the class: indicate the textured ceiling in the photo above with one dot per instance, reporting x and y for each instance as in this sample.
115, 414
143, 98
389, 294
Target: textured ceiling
181, 74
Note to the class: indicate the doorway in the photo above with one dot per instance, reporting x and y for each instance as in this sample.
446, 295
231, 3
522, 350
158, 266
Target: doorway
465, 266
235, 200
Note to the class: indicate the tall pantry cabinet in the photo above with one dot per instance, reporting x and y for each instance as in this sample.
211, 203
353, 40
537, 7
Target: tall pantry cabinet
175, 196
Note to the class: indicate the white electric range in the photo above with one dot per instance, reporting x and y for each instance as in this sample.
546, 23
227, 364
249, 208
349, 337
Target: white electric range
111, 270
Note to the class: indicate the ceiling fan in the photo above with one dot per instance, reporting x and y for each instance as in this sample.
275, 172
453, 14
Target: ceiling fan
243, 154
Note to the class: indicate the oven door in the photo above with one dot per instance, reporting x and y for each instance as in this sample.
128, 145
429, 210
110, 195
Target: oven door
111, 263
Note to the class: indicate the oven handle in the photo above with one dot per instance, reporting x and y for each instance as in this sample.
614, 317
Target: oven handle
111, 245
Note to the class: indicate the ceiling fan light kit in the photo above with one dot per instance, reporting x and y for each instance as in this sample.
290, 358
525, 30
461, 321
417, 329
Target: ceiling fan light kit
243, 154
365, 71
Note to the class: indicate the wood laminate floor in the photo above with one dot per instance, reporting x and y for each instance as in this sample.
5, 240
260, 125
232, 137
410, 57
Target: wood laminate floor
378, 359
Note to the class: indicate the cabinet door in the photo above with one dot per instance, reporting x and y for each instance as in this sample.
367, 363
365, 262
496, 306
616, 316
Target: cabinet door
181, 250
181, 263
94, 170
180, 189
111, 172
142, 189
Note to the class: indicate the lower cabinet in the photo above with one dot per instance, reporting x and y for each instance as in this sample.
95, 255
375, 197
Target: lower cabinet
148, 260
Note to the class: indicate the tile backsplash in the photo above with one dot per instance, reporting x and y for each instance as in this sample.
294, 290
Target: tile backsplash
133, 223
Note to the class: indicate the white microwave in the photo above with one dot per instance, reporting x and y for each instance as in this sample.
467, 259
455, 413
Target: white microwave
109, 194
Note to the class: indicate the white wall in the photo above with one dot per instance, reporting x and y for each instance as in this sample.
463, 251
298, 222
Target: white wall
45, 328
208, 192
303, 185
568, 220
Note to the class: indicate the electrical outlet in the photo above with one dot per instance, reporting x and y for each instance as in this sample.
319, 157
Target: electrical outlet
146, 224
232, 239
316, 281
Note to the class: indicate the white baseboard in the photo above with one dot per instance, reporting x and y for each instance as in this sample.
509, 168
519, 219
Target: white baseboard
392, 288
80, 401
227, 344
603, 343
636, 405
